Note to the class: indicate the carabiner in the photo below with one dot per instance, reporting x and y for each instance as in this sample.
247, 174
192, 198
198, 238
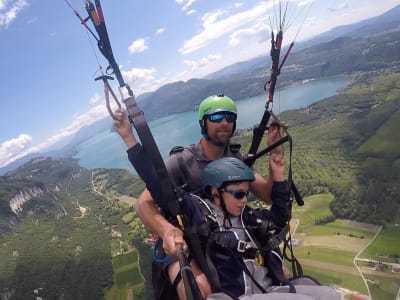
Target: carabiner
107, 91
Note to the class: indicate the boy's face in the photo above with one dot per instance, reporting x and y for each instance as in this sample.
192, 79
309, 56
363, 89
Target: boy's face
235, 197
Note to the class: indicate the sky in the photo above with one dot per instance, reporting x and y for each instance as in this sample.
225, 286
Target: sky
49, 61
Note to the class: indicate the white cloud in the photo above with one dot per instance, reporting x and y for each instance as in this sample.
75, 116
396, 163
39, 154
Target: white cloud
13, 147
257, 30
96, 98
138, 46
9, 10
18, 147
94, 114
339, 6
160, 31
191, 12
215, 27
137, 74
194, 65
238, 4
305, 2
141, 79
185, 3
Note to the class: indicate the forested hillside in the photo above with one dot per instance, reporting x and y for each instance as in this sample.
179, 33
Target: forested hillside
348, 145
57, 237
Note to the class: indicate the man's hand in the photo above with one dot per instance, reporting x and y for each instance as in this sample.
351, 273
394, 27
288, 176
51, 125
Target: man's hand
276, 167
275, 132
171, 238
123, 127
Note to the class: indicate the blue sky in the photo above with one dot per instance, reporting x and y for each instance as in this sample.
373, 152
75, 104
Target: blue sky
48, 63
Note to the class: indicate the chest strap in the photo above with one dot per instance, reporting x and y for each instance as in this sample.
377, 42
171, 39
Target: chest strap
228, 240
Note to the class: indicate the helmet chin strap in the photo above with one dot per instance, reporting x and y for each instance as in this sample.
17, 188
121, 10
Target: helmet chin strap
227, 221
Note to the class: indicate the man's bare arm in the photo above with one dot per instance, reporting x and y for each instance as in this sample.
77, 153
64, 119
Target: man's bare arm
262, 188
155, 221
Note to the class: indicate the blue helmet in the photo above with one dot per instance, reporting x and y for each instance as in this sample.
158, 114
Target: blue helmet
226, 169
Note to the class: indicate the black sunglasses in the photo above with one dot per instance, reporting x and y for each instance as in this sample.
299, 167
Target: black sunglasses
217, 117
237, 194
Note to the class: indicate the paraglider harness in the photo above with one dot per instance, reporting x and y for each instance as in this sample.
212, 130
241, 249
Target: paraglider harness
205, 238
168, 198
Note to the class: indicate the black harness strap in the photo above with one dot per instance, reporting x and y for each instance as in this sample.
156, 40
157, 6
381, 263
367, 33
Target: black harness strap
97, 18
136, 117
242, 247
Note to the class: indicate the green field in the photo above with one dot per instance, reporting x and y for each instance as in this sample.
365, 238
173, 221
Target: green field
315, 208
336, 243
127, 276
386, 246
338, 257
387, 288
353, 283
341, 227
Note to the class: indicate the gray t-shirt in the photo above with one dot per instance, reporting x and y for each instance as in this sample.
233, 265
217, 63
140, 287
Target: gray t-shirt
186, 166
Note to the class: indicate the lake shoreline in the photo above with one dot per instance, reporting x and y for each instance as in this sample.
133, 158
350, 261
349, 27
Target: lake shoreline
106, 150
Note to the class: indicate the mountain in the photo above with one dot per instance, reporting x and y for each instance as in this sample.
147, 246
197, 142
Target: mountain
362, 46
240, 69
343, 55
386, 22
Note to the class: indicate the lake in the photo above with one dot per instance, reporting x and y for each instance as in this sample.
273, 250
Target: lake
106, 150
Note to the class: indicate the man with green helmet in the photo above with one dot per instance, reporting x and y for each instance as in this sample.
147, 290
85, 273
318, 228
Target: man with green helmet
217, 119
214, 109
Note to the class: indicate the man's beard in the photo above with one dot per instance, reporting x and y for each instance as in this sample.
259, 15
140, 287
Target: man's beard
220, 138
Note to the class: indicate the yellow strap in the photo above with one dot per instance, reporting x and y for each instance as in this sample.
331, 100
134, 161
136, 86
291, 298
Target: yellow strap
179, 218
259, 259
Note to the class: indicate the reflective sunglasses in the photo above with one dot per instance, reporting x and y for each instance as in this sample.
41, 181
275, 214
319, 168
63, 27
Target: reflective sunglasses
217, 117
237, 194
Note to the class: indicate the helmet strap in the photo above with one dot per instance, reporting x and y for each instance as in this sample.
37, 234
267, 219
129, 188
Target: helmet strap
227, 221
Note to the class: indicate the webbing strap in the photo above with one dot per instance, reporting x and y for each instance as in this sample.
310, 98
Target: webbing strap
103, 43
137, 119
224, 240
258, 133
249, 160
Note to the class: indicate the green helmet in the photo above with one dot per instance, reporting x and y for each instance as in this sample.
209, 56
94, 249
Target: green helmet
226, 169
216, 103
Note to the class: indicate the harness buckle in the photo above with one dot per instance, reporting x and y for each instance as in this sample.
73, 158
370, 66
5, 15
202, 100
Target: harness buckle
241, 246
274, 242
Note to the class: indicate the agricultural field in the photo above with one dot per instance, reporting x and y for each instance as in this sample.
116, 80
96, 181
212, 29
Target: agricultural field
327, 251
127, 277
